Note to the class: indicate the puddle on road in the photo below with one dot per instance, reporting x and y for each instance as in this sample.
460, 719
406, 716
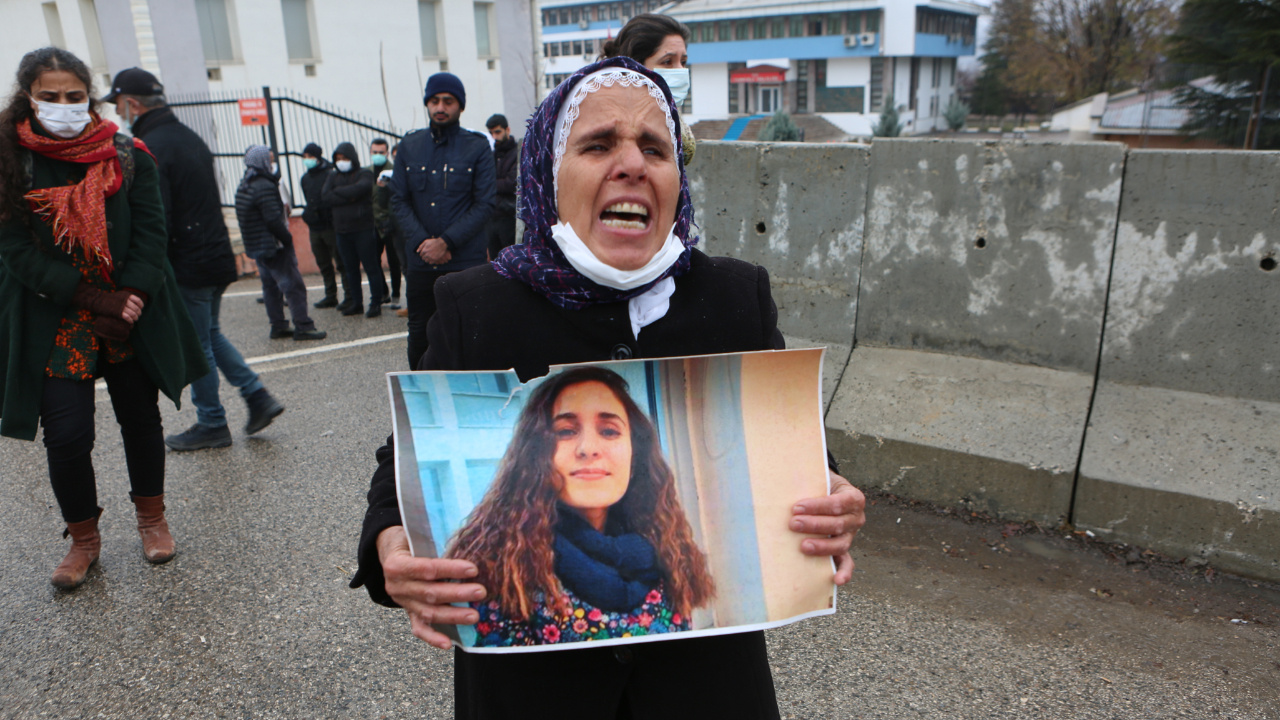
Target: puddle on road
1138, 610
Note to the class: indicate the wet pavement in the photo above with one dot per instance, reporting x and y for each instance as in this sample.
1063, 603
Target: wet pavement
947, 617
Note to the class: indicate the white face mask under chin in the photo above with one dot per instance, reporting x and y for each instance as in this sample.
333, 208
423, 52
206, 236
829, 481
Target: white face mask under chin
586, 262
64, 121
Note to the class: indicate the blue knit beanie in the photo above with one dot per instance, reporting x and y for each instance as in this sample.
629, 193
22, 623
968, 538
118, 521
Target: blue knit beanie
444, 82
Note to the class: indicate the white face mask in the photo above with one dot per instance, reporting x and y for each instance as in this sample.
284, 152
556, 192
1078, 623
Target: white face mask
586, 262
678, 80
275, 169
64, 121
343, 165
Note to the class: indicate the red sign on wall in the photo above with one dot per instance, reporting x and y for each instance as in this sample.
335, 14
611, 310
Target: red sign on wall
253, 111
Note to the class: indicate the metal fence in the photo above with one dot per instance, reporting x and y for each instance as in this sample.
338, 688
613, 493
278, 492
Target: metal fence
293, 121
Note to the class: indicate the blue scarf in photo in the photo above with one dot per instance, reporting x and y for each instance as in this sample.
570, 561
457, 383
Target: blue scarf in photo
613, 572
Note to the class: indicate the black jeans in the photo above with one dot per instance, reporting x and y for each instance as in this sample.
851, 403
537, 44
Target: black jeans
420, 294
324, 246
391, 242
66, 414
361, 248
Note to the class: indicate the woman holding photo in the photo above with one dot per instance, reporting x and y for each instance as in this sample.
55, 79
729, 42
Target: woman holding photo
607, 270
581, 535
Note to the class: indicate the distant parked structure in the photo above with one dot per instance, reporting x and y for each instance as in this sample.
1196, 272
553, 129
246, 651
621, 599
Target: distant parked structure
1138, 119
836, 58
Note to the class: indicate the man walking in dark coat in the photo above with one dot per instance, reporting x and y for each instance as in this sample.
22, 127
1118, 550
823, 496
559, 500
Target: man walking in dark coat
200, 253
265, 231
319, 219
442, 194
506, 160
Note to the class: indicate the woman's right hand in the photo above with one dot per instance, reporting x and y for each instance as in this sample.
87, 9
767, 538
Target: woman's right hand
422, 587
132, 309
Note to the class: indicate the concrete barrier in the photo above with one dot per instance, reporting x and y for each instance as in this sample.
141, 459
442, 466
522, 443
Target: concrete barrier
980, 313
1183, 444
797, 210
962, 288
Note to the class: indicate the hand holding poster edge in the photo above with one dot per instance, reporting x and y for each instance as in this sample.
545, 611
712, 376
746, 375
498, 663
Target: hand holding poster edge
730, 426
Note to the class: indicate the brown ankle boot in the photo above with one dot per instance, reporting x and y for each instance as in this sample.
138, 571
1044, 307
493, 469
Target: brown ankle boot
86, 543
157, 543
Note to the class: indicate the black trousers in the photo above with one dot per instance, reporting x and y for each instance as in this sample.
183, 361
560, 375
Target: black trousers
720, 676
391, 242
420, 294
66, 414
361, 248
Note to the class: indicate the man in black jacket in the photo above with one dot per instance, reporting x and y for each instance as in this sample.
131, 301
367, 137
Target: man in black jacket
441, 194
506, 159
200, 253
319, 219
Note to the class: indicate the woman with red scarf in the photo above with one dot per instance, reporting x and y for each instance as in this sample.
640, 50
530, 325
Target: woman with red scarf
86, 292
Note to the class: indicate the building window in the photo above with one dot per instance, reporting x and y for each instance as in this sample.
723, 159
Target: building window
872, 21
797, 26
428, 28
613, 11
566, 48
953, 72
484, 38
298, 29
723, 30
588, 47
779, 27
877, 84
802, 86
936, 78
835, 25
214, 18
740, 30
577, 47
734, 106
761, 29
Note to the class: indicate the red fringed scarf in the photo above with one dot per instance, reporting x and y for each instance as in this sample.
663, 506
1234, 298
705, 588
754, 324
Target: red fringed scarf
77, 213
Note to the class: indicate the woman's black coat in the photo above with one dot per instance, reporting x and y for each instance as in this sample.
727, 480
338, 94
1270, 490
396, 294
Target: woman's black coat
486, 322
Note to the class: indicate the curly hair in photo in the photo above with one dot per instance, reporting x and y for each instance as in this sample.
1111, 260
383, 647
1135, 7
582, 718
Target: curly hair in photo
13, 183
510, 533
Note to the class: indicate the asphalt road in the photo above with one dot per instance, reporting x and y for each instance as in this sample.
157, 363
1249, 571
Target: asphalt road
947, 617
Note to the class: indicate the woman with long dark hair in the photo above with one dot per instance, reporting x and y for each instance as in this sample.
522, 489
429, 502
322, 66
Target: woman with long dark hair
86, 291
581, 535
607, 270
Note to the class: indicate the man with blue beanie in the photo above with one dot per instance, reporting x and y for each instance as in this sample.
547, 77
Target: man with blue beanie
442, 190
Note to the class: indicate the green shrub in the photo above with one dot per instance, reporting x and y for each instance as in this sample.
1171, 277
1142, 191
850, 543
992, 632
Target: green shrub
956, 113
780, 128
888, 125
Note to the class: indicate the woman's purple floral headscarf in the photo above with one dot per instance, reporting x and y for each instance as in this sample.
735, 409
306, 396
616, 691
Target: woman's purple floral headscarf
538, 261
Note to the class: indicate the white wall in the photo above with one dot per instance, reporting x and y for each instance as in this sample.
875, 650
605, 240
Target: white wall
709, 90
899, 29
849, 72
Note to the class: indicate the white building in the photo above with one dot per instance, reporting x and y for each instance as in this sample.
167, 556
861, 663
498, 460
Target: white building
371, 58
840, 59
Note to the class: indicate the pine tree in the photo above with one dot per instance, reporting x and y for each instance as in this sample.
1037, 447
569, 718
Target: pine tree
780, 128
888, 125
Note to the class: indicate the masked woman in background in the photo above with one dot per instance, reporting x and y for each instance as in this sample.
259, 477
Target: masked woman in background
660, 43
581, 535
607, 270
86, 291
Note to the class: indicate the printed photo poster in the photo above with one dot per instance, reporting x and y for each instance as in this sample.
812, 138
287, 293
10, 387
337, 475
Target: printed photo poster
619, 502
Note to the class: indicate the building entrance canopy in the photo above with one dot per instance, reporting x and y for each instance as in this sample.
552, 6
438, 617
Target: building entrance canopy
759, 74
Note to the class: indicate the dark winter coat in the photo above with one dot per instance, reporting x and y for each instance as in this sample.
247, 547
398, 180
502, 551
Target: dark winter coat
37, 281
199, 246
442, 186
350, 194
260, 212
506, 159
317, 214
486, 322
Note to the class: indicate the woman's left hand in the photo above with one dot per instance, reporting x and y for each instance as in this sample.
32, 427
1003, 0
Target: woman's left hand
839, 516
